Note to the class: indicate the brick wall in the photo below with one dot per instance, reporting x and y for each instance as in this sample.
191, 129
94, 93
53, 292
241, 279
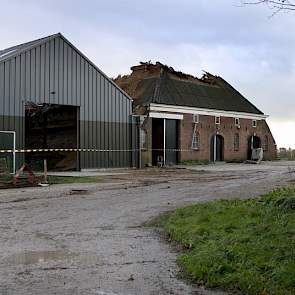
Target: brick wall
207, 129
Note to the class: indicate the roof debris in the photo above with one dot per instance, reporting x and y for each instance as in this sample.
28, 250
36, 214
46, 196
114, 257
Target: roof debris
158, 83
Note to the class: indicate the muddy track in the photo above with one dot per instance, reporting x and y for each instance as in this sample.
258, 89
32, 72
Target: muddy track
89, 238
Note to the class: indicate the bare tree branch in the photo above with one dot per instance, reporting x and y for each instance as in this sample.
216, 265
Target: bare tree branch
277, 5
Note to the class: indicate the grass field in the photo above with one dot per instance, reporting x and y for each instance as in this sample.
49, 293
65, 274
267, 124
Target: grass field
238, 245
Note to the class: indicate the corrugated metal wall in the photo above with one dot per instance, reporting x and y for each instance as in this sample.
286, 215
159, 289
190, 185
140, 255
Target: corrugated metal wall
54, 72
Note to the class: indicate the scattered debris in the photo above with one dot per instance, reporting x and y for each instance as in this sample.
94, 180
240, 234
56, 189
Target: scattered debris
24, 168
43, 184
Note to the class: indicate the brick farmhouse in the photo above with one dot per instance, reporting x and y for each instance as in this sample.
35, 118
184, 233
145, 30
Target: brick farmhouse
184, 118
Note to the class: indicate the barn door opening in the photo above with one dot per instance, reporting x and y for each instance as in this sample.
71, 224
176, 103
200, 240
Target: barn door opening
171, 142
254, 142
164, 141
217, 148
157, 140
52, 126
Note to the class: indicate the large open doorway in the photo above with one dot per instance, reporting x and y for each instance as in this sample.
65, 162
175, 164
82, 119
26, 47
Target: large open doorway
217, 148
254, 142
164, 141
157, 140
51, 126
171, 141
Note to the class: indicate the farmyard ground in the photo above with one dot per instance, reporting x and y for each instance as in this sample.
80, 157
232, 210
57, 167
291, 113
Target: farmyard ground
89, 238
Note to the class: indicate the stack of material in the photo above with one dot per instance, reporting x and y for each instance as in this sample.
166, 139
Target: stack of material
256, 157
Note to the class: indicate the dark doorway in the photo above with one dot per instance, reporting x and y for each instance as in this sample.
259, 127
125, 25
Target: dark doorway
254, 142
157, 140
217, 148
168, 129
171, 142
51, 126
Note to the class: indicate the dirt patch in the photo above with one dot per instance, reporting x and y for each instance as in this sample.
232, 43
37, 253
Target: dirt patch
102, 226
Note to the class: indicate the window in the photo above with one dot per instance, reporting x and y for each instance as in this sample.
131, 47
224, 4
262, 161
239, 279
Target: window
254, 123
196, 140
237, 121
217, 120
265, 146
196, 118
237, 142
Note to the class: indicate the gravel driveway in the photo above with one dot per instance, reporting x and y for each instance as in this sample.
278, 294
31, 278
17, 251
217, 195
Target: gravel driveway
89, 239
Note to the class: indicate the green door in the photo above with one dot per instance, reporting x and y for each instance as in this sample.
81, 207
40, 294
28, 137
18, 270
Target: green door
171, 142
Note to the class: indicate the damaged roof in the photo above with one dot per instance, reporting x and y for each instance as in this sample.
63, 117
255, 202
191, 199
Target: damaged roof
169, 87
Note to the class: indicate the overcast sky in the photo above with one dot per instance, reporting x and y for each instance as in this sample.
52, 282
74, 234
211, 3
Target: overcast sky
244, 45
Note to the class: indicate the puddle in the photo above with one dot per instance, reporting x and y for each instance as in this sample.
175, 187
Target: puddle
33, 257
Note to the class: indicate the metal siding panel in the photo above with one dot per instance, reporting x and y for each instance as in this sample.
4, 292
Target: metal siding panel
65, 75
2, 91
86, 110
6, 91
28, 76
12, 95
47, 73
38, 73
118, 128
94, 120
18, 102
127, 141
90, 94
82, 98
97, 117
42, 74
23, 77
55, 66
78, 80
60, 98
112, 110
102, 130
122, 132
90, 110
52, 97
86, 89
106, 130
33, 75
74, 79
56, 70
116, 125
70, 75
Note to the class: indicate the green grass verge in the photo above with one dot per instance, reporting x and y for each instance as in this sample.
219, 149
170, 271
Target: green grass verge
73, 179
238, 245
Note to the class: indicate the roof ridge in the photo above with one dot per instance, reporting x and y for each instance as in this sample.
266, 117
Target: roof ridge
17, 49
27, 43
37, 42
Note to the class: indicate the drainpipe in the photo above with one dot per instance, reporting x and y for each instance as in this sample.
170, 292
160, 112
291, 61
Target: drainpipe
214, 158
